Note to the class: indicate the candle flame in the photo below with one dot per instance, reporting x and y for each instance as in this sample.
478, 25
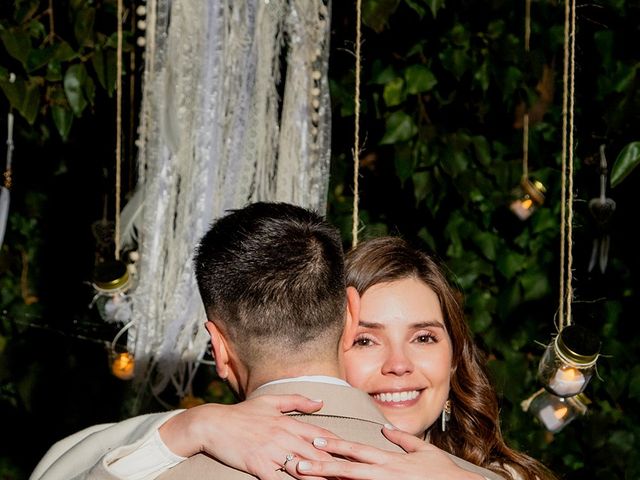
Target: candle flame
560, 412
123, 366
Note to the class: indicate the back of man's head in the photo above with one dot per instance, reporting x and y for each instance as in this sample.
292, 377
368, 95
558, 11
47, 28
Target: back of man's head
271, 276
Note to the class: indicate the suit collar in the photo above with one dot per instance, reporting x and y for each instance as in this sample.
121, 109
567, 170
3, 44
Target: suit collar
338, 400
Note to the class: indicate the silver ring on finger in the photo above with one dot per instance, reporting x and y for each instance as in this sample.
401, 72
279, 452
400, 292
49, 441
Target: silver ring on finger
288, 458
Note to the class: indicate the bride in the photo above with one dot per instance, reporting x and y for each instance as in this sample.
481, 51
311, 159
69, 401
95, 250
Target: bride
413, 355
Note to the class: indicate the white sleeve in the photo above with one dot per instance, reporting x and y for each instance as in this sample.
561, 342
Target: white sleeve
88, 454
146, 462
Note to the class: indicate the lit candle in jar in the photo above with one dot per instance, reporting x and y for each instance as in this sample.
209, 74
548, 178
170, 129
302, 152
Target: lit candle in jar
553, 418
522, 208
567, 381
123, 366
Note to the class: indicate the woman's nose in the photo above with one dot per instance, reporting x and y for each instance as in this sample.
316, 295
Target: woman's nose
397, 362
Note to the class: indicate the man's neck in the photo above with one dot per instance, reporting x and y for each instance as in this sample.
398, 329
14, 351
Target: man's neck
259, 377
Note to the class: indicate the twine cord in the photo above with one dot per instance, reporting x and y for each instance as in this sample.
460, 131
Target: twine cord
356, 135
569, 226
563, 194
525, 120
118, 130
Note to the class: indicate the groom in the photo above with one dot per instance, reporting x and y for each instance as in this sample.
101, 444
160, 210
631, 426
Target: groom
271, 277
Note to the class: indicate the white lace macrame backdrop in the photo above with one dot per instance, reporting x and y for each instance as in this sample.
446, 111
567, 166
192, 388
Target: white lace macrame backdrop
220, 128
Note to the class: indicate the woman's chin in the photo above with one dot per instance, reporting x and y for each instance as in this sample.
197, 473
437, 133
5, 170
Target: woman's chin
407, 425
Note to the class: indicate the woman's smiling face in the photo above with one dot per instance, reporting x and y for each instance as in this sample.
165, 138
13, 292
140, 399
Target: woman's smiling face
402, 353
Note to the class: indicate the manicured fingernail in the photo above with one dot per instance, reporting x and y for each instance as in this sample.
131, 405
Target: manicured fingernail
304, 466
388, 426
317, 400
319, 442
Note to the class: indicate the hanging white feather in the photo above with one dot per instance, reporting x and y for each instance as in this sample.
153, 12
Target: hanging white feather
130, 218
4, 189
4, 212
215, 135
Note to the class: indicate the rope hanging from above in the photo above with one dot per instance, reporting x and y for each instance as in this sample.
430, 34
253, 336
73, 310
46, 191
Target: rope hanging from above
120, 15
356, 136
566, 206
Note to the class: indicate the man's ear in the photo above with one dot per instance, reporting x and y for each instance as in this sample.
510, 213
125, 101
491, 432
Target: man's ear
352, 318
220, 350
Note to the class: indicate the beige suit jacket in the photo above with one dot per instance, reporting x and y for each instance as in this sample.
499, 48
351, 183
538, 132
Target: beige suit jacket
347, 412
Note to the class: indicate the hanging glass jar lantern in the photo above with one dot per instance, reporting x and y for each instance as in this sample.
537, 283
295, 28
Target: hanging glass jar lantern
527, 197
121, 361
123, 365
569, 361
111, 282
554, 412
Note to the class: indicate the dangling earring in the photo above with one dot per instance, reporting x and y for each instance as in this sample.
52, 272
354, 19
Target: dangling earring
446, 415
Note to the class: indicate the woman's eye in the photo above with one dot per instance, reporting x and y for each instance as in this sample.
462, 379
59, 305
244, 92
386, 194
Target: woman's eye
426, 338
363, 342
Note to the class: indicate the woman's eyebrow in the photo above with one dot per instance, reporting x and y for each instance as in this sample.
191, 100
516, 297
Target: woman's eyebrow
417, 325
374, 325
430, 324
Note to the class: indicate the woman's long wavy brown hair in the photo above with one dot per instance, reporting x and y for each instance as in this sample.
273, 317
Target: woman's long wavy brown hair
473, 432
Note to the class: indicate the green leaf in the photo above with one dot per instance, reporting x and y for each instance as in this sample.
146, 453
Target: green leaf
427, 238
376, 13
404, 163
422, 185
381, 74
604, 42
508, 299
399, 128
61, 112
535, 284
621, 441
509, 263
24, 96
54, 71
64, 52
455, 60
394, 93
495, 29
487, 243
416, 7
543, 220
634, 383
434, 6
90, 90
74, 80
17, 43
480, 321
481, 75
36, 29
460, 36
627, 160
25, 10
83, 26
104, 64
481, 148
419, 79
31, 103
39, 57
511, 80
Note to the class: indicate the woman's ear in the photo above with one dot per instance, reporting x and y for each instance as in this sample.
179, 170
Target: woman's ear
219, 349
352, 318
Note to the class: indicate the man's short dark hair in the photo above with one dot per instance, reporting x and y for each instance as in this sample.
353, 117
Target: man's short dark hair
271, 276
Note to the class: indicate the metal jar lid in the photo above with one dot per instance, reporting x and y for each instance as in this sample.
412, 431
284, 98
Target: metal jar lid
111, 276
578, 345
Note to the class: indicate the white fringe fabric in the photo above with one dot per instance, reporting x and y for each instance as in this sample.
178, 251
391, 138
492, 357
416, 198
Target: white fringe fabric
220, 128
